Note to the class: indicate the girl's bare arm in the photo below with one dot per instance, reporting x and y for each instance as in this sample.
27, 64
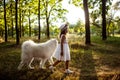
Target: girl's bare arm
62, 41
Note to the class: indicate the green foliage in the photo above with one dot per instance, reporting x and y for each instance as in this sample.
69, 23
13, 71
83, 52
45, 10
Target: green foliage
1, 18
79, 28
96, 7
29, 9
54, 31
116, 5
55, 11
95, 31
76, 2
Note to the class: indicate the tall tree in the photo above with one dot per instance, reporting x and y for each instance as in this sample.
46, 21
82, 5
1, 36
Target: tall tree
20, 17
29, 22
47, 19
22, 21
104, 36
87, 23
16, 18
5, 23
96, 7
11, 11
110, 19
51, 7
39, 28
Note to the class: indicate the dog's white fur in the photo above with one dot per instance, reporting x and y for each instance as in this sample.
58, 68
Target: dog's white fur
32, 50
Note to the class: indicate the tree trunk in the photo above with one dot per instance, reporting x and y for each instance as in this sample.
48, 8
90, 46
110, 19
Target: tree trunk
48, 33
104, 36
17, 30
12, 29
5, 22
39, 28
47, 21
20, 22
11, 20
22, 32
29, 24
87, 23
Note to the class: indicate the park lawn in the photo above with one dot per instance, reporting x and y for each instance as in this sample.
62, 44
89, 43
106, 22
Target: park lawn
98, 61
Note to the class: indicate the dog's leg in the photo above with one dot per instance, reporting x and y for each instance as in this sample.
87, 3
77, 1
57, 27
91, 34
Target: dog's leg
42, 63
21, 65
51, 61
29, 65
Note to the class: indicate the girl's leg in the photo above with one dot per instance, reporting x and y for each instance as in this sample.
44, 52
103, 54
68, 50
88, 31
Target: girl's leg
67, 64
67, 67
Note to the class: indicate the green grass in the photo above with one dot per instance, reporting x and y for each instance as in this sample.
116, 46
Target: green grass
99, 61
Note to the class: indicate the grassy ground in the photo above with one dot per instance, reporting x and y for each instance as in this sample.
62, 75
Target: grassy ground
99, 61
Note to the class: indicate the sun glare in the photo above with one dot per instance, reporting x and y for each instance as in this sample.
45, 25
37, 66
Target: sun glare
74, 13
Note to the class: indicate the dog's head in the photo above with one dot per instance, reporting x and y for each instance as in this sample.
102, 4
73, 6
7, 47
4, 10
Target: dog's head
55, 41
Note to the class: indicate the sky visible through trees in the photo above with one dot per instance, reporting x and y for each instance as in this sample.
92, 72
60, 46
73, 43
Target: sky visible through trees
76, 13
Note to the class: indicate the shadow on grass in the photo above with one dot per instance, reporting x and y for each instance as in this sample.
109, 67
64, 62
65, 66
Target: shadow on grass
82, 59
64, 76
26, 75
88, 71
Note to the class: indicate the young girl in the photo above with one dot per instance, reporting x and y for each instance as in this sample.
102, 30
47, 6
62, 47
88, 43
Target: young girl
62, 52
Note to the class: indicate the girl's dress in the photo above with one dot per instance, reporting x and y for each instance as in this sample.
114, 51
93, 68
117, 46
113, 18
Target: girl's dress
66, 51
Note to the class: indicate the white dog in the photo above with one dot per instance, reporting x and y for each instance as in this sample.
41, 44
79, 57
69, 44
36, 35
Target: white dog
32, 50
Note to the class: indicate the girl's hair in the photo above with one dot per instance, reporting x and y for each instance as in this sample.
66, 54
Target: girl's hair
63, 31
